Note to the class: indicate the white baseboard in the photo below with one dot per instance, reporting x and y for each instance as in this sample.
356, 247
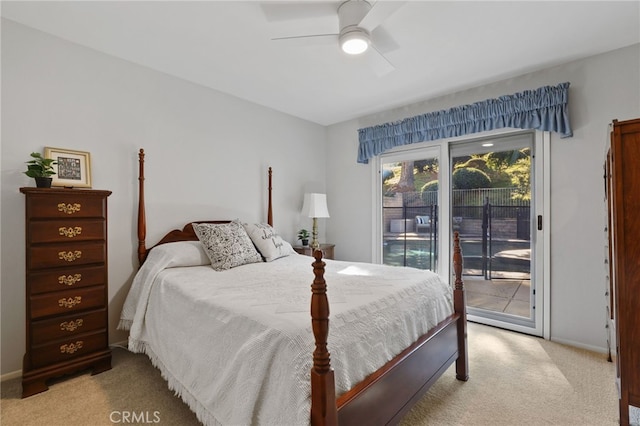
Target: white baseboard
580, 345
123, 344
12, 375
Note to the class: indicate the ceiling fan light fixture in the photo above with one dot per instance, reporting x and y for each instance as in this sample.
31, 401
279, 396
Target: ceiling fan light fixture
354, 42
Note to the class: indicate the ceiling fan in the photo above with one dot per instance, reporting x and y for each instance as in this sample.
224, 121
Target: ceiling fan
359, 30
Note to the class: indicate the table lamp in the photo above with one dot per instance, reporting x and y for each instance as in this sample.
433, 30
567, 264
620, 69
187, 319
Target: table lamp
315, 206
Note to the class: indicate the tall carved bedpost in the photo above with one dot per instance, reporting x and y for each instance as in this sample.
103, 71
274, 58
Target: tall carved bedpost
142, 221
324, 410
269, 208
460, 307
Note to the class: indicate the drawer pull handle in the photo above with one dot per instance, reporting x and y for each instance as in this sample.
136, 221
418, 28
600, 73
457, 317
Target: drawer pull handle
69, 208
71, 347
70, 232
70, 302
69, 279
70, 256
71, 325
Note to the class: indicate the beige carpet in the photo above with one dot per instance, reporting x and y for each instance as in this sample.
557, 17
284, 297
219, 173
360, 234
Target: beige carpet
515, 380
522, 380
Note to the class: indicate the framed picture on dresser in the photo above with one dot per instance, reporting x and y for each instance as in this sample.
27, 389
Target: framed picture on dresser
73, 168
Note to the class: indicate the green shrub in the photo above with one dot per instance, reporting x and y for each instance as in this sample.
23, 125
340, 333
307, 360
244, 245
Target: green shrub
475, 163
429, 193
470, 178
430, 186
459, 161
501, 159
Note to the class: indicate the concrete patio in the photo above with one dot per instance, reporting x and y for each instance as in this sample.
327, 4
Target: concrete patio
509, 296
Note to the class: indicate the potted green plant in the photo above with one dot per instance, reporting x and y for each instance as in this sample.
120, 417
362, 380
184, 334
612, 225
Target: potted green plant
41, 169
303, 236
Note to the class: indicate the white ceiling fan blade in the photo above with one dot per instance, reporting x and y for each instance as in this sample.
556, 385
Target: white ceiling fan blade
383, 41
378, 63
308, 40
380, 11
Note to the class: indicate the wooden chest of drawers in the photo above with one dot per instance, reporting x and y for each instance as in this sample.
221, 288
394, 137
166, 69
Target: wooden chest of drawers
66, 285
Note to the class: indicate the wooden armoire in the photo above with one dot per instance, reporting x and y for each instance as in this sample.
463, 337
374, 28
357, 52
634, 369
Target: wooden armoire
622, 173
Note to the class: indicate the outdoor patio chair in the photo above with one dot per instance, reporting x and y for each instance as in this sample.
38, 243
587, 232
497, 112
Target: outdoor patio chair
423, 224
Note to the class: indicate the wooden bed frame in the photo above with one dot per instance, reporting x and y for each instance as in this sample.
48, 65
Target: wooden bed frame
390, 392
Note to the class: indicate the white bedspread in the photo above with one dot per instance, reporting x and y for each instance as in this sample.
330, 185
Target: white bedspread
236, 345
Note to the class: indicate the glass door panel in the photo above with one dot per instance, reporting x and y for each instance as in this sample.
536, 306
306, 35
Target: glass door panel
410, 212
491, 203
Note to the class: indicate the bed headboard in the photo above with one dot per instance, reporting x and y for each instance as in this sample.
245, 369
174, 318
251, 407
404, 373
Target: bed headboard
186, 233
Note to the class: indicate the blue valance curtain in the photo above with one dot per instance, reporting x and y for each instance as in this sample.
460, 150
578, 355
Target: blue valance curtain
543, 109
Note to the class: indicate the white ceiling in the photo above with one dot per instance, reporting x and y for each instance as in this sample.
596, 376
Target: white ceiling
441, 46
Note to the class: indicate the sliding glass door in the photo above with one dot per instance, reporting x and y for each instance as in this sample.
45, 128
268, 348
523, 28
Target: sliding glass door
489, 189
493, 206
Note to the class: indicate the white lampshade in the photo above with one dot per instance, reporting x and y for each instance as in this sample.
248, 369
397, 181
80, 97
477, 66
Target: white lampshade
315, 205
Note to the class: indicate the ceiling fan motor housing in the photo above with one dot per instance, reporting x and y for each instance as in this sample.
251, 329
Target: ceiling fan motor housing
350, 13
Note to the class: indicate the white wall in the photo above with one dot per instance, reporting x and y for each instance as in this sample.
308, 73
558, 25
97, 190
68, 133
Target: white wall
207, 155
603, 88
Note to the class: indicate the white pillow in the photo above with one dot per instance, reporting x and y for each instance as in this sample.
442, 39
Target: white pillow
181, 253
266, 239
227, 244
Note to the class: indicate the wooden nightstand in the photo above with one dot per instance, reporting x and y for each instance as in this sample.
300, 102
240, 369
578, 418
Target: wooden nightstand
327, 250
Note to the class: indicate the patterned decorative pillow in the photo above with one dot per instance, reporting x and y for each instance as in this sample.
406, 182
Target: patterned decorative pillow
266, 239
226, 244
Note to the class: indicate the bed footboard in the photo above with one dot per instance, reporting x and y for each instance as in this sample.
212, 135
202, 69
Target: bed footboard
389, 393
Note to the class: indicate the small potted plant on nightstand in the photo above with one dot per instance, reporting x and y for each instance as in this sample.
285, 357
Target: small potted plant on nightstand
303, 236
40, 169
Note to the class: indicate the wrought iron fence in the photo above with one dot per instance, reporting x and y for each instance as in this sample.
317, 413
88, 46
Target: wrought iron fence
411, 236
471, 197
411, 224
